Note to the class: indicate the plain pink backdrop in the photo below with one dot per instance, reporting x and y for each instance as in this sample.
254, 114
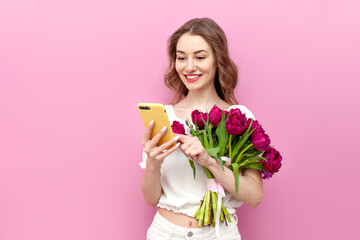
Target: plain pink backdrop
72, 72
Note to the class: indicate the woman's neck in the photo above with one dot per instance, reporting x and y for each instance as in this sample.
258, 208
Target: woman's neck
202, 100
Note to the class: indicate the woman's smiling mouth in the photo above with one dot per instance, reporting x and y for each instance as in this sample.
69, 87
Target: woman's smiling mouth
192, 77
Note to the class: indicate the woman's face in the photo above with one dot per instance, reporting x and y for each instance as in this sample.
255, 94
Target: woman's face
195, 62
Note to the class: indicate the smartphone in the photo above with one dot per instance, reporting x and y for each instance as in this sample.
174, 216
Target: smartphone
156, 112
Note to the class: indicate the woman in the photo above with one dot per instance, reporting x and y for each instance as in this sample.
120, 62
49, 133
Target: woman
202, 73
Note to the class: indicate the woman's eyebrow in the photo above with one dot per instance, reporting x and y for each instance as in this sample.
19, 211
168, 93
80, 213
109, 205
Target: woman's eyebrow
198, 51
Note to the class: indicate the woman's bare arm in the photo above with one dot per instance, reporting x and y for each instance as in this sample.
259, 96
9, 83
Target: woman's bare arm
250, 183
151, 186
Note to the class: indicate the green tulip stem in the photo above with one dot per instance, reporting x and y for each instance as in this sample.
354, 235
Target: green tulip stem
214, 205
197, 213
202, 211
207, 209
223, 208
211, 140
209, 175
242, 152
221, 215
206, 141
243, 138
230, 146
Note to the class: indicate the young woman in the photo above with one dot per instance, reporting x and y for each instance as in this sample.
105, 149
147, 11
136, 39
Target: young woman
202, 75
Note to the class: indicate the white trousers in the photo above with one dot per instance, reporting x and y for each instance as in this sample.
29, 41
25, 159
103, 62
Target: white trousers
162, 229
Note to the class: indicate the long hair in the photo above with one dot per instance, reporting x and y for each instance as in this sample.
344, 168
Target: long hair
226, 76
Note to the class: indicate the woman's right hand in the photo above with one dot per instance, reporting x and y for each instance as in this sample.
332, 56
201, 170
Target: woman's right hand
157, 154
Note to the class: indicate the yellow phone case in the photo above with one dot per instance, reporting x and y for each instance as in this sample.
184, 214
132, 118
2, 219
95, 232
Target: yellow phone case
156, 112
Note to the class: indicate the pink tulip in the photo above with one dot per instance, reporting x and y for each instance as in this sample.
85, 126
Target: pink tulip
196, 118
177, 127
236, 124
260, 139
215, 116
272, 164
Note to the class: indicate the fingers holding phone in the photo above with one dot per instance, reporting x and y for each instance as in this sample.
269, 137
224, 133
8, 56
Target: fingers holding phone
149, 141
159, 140
156, 154
147, 134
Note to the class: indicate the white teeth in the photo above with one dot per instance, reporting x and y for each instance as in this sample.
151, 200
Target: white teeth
193, 77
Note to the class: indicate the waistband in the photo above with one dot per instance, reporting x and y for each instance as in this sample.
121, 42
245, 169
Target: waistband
189, 233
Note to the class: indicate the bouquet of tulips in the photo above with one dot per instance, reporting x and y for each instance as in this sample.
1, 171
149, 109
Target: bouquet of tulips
234, 141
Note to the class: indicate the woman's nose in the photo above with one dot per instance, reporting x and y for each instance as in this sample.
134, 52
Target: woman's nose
190, 67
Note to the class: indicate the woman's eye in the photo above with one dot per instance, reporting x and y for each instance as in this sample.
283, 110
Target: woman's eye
201, 58
180, 58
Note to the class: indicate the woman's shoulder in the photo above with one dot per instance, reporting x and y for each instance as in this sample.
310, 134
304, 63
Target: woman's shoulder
244, 110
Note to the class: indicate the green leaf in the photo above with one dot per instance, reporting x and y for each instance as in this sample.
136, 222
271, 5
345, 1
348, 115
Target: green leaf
250, 160
254, 165
201, 138
243, 139
247, 143
248, 155
208, 174
242, 152
255, 158
213, 151
253, 151
192, 130
211, 140
205, 122
220, 161
196, 127
193, 167
230, 156
235, 168
206, 142
223, 135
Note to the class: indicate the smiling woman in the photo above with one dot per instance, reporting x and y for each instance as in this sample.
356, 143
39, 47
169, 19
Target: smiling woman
195, 60
211, 43
202, 75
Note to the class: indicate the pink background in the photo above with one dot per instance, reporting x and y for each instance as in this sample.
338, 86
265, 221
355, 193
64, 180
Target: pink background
72, 72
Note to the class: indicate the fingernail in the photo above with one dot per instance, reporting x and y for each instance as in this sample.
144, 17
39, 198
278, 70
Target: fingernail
177, 144
152, 122
163, 129
176, 138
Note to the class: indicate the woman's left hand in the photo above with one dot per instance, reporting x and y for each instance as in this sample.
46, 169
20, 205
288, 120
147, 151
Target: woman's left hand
194, 150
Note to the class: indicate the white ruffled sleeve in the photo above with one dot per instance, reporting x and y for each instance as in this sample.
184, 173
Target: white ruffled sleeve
247, 112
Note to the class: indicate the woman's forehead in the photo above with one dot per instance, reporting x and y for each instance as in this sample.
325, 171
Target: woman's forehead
189, 43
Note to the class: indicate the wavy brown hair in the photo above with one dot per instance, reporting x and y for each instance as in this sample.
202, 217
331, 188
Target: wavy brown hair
226, 72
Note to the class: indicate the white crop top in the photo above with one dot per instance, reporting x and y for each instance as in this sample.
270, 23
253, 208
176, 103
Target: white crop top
181, 193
